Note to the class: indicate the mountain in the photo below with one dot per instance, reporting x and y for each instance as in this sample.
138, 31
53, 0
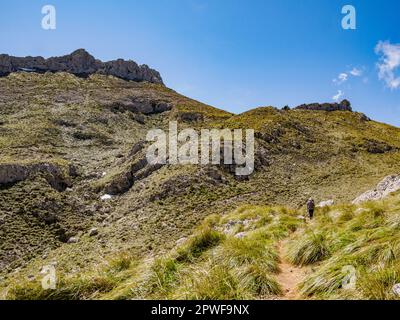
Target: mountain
79, 63
76, 189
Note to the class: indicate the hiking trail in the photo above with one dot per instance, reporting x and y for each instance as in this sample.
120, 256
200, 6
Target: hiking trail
290, 276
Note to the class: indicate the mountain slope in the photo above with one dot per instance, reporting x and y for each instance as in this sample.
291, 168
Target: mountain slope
66, 141
256, 252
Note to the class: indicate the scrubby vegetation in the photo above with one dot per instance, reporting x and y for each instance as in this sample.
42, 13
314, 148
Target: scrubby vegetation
235, 256
219, 261
362, 242
85, 125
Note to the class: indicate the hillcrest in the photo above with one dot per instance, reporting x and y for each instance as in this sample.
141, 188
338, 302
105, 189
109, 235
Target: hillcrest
190, 147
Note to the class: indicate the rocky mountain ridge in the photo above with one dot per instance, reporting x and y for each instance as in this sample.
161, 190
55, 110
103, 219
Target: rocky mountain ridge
344, 105
80, 63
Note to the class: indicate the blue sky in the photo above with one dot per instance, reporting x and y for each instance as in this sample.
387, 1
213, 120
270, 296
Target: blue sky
232, 54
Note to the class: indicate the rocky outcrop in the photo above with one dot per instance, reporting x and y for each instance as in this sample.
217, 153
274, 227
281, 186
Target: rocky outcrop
145, 106
13, 173
345, 105
377, 147
80, 63
137, 171
383, 189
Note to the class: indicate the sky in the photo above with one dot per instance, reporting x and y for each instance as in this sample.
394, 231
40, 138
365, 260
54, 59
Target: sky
233, 54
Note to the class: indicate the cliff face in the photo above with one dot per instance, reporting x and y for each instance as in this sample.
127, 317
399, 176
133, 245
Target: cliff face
80, 63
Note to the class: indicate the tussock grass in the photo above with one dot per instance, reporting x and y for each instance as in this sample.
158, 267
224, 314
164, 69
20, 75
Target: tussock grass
308, 249
241, 252
215, 282
77, 288
378, 285
204, 240
258, 281
214, 265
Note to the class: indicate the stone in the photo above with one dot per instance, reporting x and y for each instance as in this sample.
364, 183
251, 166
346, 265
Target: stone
240, 235
105, 197
73, 240
383, 189
31, 277
326, 203
93, 232
181, 241
396, 289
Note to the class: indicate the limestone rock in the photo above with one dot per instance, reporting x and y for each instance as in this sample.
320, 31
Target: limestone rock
345, 105
80, 63
326, 203
73, 240
93, 232
14, 172
383, 189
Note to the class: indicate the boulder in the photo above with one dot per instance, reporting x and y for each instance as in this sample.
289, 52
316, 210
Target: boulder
73, 240
326, 203
383, 189
396, 289
93, 232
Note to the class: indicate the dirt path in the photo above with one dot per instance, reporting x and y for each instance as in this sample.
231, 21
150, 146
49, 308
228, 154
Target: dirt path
289, 277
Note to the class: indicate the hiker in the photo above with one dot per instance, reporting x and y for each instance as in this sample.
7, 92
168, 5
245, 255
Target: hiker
310, 208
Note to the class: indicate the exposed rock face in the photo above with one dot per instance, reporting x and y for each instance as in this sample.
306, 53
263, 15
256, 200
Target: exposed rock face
345, 105
139, 170
79, 63
13, 173
377, 147
383, 189
144, 106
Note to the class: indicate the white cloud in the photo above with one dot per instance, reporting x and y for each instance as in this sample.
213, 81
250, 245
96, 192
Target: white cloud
389, 62
345, 76
338, 96
355, 72
342, 77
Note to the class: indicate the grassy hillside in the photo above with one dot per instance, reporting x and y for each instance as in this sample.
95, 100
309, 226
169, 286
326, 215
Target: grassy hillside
72, 140
236, 256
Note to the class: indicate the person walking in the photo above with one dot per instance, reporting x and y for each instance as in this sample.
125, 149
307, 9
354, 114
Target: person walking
310, 208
